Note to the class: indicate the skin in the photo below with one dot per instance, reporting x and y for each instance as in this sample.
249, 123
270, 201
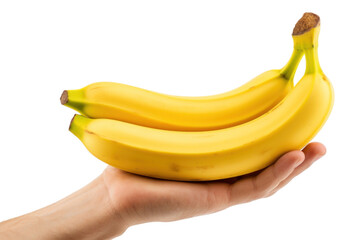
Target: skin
116, 200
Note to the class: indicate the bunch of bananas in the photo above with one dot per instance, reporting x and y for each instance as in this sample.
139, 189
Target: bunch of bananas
211, 137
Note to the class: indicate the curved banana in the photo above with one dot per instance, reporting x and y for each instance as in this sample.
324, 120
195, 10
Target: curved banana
223, 153
147, 108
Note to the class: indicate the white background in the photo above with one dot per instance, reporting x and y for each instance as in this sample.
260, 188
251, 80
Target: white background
175, 47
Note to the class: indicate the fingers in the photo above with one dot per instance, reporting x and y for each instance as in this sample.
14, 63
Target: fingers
272, 176
313, 152
261, 185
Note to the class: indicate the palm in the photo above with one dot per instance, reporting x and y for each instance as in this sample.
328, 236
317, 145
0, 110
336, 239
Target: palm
147, 199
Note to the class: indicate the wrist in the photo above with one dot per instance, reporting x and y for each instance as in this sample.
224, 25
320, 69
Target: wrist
85, 214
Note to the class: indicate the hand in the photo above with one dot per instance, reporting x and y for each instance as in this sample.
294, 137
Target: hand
115, 200
141, 199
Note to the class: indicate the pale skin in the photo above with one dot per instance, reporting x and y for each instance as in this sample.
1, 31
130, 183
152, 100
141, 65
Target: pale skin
116, 200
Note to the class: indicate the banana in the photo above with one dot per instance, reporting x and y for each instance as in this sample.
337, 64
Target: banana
222, 153
147, 108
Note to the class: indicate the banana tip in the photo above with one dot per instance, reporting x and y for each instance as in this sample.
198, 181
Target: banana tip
73, 118
306, 22
64, 97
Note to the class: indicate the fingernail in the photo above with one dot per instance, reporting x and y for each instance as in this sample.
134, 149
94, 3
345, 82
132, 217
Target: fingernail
325, 152
321, 154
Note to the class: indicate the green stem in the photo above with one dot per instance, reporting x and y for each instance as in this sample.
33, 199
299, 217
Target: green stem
288, 71
78, 125
312, 62
73, 99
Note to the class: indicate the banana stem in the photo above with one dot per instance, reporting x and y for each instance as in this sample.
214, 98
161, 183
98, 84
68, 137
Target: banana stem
73, 99
288, 71
312, 62
305, 36
78, 125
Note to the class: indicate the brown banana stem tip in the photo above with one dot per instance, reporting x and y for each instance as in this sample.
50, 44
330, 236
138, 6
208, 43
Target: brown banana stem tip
72, 121
64, 97
306, 23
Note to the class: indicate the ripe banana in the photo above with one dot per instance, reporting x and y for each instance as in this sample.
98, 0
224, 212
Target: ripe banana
147, 108
222, 153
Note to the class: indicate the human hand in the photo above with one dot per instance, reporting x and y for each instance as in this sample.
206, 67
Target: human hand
116, 200
141, 199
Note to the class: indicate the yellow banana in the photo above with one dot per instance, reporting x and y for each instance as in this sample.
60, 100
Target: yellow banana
222, 153
147, 108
